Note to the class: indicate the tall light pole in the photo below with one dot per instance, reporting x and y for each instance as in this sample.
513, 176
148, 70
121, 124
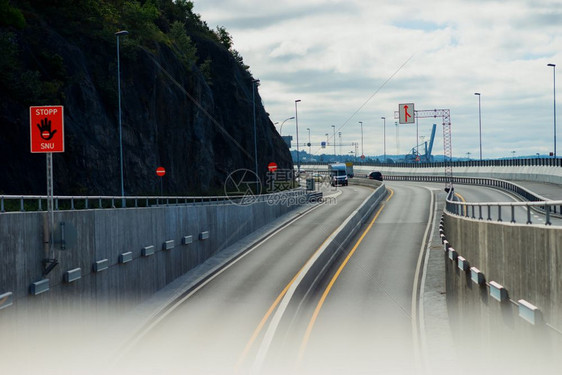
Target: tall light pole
334, 127
384, 138
362, 154
339, 134
118, 34
554, 90
298, 156
309, 144
479, 122
255, 83
281, 127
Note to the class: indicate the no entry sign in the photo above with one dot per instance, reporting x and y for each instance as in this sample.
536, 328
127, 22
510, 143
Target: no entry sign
46, 129
272, 167
160, 171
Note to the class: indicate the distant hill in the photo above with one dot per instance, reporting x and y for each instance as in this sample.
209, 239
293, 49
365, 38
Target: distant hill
186, 98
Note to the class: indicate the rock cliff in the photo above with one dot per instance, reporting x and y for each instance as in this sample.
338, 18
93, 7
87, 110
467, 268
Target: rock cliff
191, 115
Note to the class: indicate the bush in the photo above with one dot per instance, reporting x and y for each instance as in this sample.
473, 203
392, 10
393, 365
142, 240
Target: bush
10, 16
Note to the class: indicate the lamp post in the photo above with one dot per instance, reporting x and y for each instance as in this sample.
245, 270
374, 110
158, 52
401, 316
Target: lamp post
255, 83
479, 122
334, 127
309, 144
361, 122
384, 138
554, 91
298, 156
281, 127
327, 140
339, 134
118, 34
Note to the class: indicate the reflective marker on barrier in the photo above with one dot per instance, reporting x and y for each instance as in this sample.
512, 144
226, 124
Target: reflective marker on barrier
125, 257
6, 300
529, 312
168, 245
497, 291
72, 275
462, 263
101, 265
476, 276
39, 287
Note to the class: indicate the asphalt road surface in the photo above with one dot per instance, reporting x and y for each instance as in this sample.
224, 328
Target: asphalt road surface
359, 319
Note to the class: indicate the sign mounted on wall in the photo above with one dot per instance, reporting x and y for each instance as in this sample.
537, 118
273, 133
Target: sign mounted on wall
46, 127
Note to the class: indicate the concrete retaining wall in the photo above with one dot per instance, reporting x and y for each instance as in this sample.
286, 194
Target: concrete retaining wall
526, 260
117, 235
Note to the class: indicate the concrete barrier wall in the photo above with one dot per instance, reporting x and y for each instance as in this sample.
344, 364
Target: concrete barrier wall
340, 238
115, 235
526, 260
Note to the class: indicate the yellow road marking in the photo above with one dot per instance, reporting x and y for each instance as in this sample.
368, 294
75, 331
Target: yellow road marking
272, 309
308, 332
460, 197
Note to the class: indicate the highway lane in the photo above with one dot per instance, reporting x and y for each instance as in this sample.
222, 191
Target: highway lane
361, 319
218, 328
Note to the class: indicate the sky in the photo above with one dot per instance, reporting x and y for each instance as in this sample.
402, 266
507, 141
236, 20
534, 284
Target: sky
357, 60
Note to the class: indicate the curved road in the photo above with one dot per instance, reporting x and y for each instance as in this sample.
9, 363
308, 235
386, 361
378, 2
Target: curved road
363, 324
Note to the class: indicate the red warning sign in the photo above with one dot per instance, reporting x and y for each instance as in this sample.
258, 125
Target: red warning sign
272, 167
160, 171
46, 130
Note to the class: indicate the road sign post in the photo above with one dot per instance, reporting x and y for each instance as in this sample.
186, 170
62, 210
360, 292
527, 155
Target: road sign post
46, 135
161, 172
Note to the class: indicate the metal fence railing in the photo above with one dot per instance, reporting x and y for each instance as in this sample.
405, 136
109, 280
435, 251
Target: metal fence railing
529, 162
25, 203
492, 210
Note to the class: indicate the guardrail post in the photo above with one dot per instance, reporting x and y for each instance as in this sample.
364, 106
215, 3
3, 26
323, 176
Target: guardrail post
72, 203
22, 208
547, 214
499, 213
513, 214
39, 205
479, 212
474, 217
529, 215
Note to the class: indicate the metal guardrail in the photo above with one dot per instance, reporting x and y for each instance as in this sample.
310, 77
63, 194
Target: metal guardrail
533, 162
468, 209
25, 203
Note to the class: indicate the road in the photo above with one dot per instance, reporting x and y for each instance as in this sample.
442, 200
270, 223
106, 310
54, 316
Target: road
364, 323
209, 332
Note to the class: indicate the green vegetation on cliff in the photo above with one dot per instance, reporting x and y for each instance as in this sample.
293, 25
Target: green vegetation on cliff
186, 97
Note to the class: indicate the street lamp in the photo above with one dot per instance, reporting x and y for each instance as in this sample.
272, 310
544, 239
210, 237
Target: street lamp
298, 156
309, 144
479, 122
554, 90
361, 122
118, 34
334, 127
255, 83
339, 134
384, 138
281, 127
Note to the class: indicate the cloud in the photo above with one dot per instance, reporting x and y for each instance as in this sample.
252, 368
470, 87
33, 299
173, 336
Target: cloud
334, 55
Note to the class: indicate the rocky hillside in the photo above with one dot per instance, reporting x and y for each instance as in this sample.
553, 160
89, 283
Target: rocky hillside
186, 98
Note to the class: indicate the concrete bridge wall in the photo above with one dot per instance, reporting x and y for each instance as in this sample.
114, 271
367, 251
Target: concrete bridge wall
117, 235
525, 259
